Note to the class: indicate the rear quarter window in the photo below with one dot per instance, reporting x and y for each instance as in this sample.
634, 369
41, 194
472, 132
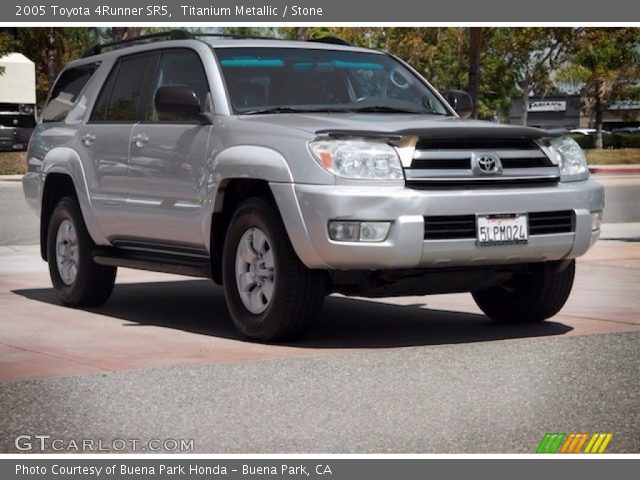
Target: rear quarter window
66, 91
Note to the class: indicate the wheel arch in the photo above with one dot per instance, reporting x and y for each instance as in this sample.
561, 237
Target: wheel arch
64, 175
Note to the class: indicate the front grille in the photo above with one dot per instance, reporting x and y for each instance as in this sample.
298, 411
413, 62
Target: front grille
456, 227
531, 162
475, 143
458, 183
449, 163
465, 163
449, 227
545, 223
442, 163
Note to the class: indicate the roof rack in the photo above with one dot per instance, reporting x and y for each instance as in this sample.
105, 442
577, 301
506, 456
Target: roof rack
331, 40
170, 35
234, 36
328, 39
185, 35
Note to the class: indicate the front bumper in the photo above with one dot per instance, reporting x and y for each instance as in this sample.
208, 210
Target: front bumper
307, 209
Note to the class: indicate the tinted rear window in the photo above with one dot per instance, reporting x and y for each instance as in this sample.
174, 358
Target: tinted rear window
66, 91
120, 97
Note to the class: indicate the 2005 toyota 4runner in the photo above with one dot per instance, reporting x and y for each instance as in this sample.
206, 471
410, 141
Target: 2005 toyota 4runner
286, 171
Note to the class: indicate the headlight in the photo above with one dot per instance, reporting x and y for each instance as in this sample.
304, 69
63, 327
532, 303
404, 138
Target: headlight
357, 159
573, 164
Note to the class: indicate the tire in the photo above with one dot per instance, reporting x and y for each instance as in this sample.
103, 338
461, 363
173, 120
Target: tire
92, 284
285, 295
528, 297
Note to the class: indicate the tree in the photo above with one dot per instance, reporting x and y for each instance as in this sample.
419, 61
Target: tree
475, 49
534, 55
123, 33
605, 62
249, 31
49, 48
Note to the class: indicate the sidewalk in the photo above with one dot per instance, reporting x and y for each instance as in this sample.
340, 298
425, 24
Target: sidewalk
10, 178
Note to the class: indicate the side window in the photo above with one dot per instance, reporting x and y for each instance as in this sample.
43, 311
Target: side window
66, 91
179, 67
120, 97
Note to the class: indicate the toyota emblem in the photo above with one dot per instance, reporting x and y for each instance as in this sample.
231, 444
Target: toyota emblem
487, 164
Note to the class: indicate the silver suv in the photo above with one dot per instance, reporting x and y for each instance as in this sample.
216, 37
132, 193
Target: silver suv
286, 171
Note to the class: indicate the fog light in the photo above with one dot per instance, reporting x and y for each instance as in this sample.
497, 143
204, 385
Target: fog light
358, 231
374, 231
344, 231
596, 221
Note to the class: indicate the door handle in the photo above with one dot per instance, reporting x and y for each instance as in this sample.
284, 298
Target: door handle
140, 139
87, 139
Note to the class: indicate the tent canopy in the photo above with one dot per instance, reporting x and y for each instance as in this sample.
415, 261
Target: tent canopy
18, 79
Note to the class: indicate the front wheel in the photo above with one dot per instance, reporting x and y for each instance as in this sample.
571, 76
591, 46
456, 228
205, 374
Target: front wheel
270, 294
528, 297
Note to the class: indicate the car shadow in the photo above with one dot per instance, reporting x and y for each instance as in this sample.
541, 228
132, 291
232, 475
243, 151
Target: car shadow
198, 306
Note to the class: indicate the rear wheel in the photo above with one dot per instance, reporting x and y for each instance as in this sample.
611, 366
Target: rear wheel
77, 279
270, 294
528, 297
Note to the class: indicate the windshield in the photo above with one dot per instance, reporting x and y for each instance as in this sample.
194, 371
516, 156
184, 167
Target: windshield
282, 80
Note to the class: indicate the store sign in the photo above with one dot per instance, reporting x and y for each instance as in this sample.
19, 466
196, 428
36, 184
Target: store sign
547, 106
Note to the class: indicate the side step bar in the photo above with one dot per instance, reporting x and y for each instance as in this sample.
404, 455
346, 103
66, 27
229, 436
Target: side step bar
155, 262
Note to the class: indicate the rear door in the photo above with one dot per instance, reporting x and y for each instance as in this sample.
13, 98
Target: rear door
167, 159
106, 140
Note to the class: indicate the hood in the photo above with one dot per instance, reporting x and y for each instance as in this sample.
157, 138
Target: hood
392, 125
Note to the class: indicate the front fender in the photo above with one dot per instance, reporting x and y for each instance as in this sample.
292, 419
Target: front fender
265, 164
251, 161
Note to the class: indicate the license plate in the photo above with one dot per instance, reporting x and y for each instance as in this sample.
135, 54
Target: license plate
18, 146
502, 229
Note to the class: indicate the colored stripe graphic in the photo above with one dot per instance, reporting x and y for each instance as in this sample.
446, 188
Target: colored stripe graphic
569, 443
551, 442
581, 441
605, 442
573, 443
598, 443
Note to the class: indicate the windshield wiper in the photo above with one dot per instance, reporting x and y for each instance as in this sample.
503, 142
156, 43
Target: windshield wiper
288, 110
363, 109
382, 109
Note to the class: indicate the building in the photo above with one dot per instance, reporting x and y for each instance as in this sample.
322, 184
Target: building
564, 111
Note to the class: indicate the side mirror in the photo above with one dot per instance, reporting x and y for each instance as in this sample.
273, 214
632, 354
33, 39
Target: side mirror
460, 101
177, 102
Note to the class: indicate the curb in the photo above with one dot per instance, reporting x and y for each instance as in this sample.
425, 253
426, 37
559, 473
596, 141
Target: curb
615, 169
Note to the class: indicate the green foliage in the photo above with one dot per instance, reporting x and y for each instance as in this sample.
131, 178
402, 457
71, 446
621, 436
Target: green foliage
513, 60
604, 62
626, 140
585, 141
610, 140
49, 48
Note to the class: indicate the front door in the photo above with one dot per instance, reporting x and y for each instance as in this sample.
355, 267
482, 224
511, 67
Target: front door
167, 160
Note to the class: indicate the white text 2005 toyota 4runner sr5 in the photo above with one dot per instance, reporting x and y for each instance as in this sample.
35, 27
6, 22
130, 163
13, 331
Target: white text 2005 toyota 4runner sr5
286, 171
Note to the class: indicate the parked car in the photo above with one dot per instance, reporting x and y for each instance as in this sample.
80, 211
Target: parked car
588, 131
15, 130
627, 130
286, 171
